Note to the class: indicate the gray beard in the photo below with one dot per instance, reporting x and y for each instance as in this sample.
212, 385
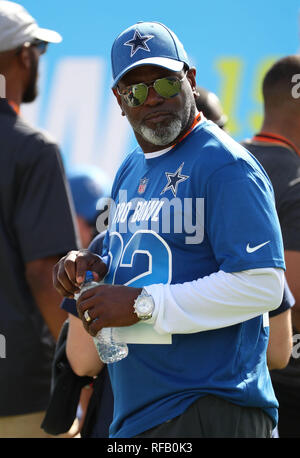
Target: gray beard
165, 135
162, 135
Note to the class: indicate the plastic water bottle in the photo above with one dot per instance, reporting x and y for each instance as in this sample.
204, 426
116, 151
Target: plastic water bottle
108, 349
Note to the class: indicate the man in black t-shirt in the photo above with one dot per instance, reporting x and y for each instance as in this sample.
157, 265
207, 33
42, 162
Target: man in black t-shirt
277, 147
36, 228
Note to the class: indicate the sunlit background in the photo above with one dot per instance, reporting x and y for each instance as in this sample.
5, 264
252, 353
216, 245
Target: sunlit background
230, 42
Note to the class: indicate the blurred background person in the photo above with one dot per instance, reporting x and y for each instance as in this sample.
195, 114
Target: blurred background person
277, 147
36, 227
88, 185
209, 103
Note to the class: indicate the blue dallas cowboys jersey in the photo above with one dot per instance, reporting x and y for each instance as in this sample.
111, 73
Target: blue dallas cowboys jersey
204, 206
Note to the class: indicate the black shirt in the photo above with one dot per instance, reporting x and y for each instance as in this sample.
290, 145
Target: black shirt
35, 222
282, 164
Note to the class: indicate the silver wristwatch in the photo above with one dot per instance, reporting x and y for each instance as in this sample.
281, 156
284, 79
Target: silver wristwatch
144, 306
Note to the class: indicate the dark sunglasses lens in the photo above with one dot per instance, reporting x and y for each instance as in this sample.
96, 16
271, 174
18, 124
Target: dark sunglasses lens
136, 94
41, 46
167, 87
44, 47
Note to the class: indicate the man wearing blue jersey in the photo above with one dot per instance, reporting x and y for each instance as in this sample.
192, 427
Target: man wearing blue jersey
192, 261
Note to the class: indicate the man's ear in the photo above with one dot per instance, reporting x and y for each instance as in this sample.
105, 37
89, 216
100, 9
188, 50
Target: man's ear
191, 76
119, 100
24, 57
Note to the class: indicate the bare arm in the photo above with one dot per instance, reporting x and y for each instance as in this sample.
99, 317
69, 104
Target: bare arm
280, 340
81, 351
292, 260
39, 278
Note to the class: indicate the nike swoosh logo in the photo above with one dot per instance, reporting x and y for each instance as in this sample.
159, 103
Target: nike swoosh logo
255, 248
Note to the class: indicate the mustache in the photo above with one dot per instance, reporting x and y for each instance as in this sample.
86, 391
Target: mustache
156, 113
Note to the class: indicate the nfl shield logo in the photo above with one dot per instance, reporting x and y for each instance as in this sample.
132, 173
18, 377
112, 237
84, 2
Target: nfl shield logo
142, 185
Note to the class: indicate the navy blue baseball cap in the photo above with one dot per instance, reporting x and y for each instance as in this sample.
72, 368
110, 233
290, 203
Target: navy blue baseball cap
146, 43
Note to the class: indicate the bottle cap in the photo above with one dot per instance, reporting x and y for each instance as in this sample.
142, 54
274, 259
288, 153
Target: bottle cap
88, 276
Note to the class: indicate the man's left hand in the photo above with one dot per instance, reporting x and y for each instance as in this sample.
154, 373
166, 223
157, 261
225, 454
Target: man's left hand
108, 306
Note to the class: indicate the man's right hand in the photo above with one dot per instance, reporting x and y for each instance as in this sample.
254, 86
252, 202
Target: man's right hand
69, 272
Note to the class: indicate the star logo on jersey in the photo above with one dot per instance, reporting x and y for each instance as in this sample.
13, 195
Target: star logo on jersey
138, 42
174, 179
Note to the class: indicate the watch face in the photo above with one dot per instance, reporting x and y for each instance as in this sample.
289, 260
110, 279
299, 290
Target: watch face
144, 307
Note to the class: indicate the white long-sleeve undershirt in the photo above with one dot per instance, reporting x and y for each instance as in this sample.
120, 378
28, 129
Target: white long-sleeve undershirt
215, 301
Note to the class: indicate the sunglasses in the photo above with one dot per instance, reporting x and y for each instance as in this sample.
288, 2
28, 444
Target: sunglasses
39, 44
136, 94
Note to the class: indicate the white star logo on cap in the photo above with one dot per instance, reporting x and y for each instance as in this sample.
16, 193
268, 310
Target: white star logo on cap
138, 42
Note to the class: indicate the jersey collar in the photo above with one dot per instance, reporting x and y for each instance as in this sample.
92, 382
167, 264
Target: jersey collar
14, 106
198, 118
267, 137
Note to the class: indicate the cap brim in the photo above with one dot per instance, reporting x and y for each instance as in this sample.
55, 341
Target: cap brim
47, 35
165, 62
